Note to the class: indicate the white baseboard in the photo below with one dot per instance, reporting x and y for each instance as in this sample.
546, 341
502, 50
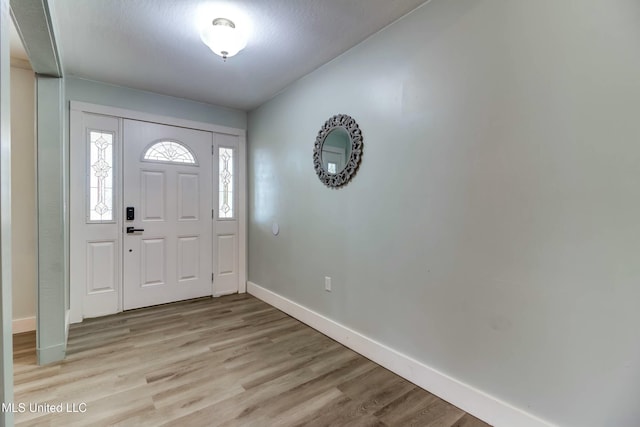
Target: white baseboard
67, 322
26, 324
481, 405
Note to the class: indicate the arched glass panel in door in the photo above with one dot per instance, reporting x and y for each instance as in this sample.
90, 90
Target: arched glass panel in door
169, 152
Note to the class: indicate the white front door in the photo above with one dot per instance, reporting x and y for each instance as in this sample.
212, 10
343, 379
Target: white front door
167, 228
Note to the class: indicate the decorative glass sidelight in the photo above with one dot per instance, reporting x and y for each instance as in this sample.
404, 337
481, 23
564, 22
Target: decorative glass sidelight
100, 176
225, 183
170, 152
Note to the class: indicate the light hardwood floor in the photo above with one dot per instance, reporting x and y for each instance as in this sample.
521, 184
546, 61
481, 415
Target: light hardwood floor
230, 361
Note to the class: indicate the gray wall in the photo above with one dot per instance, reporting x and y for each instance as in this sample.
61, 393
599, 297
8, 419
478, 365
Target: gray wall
52, 220
149, 102
492, 229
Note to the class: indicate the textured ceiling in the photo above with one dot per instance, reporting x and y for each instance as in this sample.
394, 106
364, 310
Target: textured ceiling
155, 44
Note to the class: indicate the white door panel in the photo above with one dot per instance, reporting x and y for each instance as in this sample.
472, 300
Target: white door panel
153, 195
169, 260
188, 259
95, 230
153, 261
226, 246
226, 249
101, 265
188, 197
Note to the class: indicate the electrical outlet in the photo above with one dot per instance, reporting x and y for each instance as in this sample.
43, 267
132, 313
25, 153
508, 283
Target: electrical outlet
327, 283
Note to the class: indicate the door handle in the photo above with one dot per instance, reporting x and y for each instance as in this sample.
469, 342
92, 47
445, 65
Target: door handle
131, 230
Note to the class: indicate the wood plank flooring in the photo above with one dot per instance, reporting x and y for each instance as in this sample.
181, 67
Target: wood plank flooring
230, 361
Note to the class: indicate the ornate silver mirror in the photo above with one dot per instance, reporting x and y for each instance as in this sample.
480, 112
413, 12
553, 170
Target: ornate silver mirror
337, 150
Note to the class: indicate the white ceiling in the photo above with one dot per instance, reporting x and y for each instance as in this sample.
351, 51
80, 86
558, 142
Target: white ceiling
155, 45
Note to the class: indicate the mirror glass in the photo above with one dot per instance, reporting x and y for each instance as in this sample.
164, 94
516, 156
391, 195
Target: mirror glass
336, 150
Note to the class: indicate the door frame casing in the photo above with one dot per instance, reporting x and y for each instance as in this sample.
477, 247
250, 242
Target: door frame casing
77, 109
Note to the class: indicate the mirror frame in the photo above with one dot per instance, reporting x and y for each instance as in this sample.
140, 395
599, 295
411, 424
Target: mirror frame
355, 135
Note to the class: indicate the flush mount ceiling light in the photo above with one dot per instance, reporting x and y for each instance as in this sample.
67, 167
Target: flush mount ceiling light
223, 38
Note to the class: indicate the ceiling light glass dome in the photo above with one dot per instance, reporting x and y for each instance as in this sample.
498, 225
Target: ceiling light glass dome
223, 38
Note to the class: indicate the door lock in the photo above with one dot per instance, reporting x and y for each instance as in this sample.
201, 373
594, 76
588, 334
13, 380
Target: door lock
131, 230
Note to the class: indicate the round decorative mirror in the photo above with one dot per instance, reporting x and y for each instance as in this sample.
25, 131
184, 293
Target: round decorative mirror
337, 150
